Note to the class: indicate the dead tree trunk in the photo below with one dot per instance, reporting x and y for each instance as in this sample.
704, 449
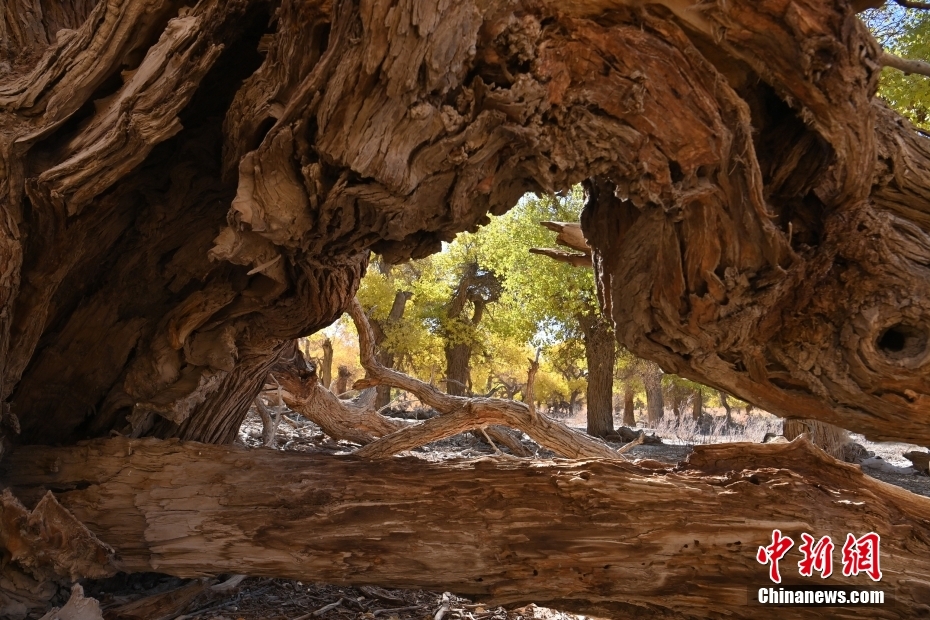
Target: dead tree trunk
326, 370
600, 352
409, 523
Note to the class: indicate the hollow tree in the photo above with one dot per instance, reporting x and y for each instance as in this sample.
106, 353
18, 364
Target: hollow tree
185, 188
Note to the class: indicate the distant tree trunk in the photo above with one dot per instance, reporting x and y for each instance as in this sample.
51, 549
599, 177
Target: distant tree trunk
726, 405
342, 381
477, 287
573, 401
529, 393
697, 404
829, 438
326, 372
600, 352
458, 369
629, 412
655, 404
384, 355
676, 402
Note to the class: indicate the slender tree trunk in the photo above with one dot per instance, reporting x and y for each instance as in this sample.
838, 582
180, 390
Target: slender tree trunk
697, 405
458, 369
384, 355
600, 353
326, 372
529, 392
629, 413
726, 405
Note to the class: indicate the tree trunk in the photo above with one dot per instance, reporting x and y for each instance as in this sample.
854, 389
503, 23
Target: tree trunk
600, 353
408, 523
385, 356
728, 421
342, 381
529, 392
629, 412
458, 369
697, 405
831, 439
655, 403
326, 372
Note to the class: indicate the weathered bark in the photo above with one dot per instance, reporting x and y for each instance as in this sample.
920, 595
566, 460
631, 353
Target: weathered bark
270, 421
629, 411
739, 161
600, 353
458, 369
506, 531
546, 432
655, 402
783, 260
354, 420
829, 438
326, 365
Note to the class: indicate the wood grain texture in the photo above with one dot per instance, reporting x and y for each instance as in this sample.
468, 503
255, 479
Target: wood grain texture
569, 534
186, 188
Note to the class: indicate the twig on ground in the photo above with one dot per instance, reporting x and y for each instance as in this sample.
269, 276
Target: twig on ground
322, 610
396, 609
444, 608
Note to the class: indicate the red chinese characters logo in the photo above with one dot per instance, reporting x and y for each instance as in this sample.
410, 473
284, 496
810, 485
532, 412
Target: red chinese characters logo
773, 553
860, 555
817, 557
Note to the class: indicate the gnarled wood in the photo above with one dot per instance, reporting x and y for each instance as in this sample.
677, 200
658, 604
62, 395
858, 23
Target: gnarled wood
556, 533
737, 158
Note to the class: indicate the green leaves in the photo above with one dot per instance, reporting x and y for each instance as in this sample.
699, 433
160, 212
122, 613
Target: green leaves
904, 33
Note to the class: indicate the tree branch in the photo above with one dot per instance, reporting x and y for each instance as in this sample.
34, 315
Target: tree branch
913, 4
461, 413
919, 67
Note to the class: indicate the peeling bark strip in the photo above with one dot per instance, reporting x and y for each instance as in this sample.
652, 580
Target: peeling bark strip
558, 533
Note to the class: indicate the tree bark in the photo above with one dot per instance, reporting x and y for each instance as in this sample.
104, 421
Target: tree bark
529, 392
655, 403
831, 439
697, 405
409, 523
135, 130
458, 369
326, 372
342, 381
728, 421
600, 352
629, 411
386, 356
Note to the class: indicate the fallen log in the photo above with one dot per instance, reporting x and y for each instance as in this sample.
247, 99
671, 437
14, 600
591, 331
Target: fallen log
600, 536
